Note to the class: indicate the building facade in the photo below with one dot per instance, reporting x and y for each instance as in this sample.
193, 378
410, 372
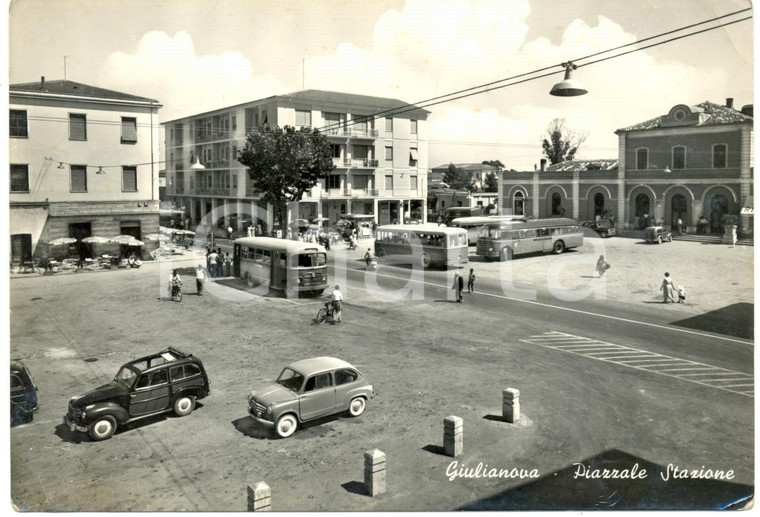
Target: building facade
478, 172
693, 162
380, 153
81, 165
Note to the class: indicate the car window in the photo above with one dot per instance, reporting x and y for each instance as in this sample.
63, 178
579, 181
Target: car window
16, 382
319, 381
152, 379
345, 376
290, 379
176, 373
192, 369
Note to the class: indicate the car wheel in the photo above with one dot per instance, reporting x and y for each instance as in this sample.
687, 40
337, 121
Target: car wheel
380, 254
357, 406
559, 247
184, 405
425, 260
286, 426
670, 238
102, 428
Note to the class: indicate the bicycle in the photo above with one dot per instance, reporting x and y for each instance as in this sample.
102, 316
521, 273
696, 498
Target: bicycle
329, 314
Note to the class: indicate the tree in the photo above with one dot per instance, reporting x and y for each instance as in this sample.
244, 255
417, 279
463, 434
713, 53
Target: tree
285, 163
491, 182
562, 143
493, 163
458, 179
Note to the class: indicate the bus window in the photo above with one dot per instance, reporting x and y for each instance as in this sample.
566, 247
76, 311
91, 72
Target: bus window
266, 257
542, 232
321, 259
283, 262
243, 253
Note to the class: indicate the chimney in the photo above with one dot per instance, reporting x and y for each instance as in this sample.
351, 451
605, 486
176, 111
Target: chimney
543, 164
730, 102
42, 83
748, 110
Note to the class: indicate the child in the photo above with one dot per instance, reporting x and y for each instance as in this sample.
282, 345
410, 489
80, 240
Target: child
681, 294
471, 282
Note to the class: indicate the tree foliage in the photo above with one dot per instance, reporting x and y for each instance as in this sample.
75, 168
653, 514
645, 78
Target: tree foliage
493, 163
562, 143
285, 163
491, 183
458, 179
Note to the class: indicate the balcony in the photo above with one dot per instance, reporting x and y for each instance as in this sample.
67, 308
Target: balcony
353, 132
216, 191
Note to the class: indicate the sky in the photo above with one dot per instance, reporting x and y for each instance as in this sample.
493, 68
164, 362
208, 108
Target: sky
198, 55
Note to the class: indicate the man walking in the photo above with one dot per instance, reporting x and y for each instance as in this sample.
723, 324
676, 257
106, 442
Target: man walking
471, 282
212, 259
458, 286
200, 277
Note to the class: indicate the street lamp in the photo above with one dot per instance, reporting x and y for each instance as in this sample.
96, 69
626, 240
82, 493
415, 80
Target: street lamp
197, 166
568, 87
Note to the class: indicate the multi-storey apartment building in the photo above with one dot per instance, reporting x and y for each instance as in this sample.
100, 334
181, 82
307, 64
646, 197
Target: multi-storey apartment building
692, 162
81, 165
379, 150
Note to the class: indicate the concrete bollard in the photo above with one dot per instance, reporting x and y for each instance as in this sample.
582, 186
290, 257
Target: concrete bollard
453, 436
374, 472
259, 498
510, 405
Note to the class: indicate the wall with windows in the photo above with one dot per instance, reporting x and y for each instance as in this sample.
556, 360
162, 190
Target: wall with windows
106, 138
698, 143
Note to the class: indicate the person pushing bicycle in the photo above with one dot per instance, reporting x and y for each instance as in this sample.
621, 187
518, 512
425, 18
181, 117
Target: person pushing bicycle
337, 303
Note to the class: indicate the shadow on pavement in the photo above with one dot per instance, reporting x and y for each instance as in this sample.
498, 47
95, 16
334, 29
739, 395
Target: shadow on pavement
733, 320
355, 487
435, 449
560, 491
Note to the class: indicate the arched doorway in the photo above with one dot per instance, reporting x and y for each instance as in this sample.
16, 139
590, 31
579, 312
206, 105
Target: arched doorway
678, 209
718, 208
598, 205
642, 211
557, 209
518, 203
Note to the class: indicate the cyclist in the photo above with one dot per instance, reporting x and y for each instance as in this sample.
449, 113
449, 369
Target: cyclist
337, 303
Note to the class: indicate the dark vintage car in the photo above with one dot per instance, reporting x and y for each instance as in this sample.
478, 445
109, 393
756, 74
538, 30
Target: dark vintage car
604, 227
166, 381
309, 389
23, 394
657, 234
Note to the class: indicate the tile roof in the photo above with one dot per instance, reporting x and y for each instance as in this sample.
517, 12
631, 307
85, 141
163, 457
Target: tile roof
583, 165
472, 166
352, 99
716, 115
73, 89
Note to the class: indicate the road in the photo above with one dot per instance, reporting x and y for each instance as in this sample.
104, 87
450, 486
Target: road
582, 395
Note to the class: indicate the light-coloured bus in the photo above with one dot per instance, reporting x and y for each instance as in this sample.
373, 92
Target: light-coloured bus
531, 236
280, 264
423, 244
477, 226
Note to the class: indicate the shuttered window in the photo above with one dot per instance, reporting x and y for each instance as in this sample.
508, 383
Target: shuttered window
129, 179
128, 130
19, 178
17, 124
303, 118
77, 126
78, 178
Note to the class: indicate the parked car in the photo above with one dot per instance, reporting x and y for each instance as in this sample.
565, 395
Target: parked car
309, 389
23, 394
169, 380
657, 234
604, 227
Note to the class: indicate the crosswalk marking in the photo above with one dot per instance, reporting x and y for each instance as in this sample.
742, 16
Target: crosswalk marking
644, 360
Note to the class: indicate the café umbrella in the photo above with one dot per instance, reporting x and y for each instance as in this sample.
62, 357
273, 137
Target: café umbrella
157, 237
95, 240
123, 239
61, 241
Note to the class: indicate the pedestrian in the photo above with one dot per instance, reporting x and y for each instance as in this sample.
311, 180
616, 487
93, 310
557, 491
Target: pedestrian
227, 264
200, 277
212, 260
471, 282
440, 220
679, 225
458, 286
602, 266
374, 228
250, 231
667, 289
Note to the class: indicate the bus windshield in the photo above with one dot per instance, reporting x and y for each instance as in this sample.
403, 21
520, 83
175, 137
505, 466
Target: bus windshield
309, 260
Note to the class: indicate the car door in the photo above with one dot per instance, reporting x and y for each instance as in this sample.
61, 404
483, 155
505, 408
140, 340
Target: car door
150, 394
345, 381
318, 398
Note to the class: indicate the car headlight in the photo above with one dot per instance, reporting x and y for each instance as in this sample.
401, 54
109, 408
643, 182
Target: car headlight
268, 412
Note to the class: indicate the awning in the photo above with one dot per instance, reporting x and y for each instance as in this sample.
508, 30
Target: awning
748, 208
28, 220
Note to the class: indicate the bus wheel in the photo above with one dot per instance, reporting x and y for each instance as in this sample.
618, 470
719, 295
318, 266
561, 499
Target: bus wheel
248, 279
559, 247
505, 254
425, 260
380, 254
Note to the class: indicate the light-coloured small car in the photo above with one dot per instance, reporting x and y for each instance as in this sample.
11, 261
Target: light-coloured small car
309, 389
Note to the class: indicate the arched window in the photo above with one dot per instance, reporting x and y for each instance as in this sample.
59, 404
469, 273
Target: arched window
518, 204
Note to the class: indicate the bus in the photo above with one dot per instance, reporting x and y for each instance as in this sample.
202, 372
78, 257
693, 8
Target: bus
280, 264
477, 226
423, 244
463, 211
531, 236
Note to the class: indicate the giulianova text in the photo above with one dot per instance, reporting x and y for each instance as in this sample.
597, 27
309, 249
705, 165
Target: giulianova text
454, 470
